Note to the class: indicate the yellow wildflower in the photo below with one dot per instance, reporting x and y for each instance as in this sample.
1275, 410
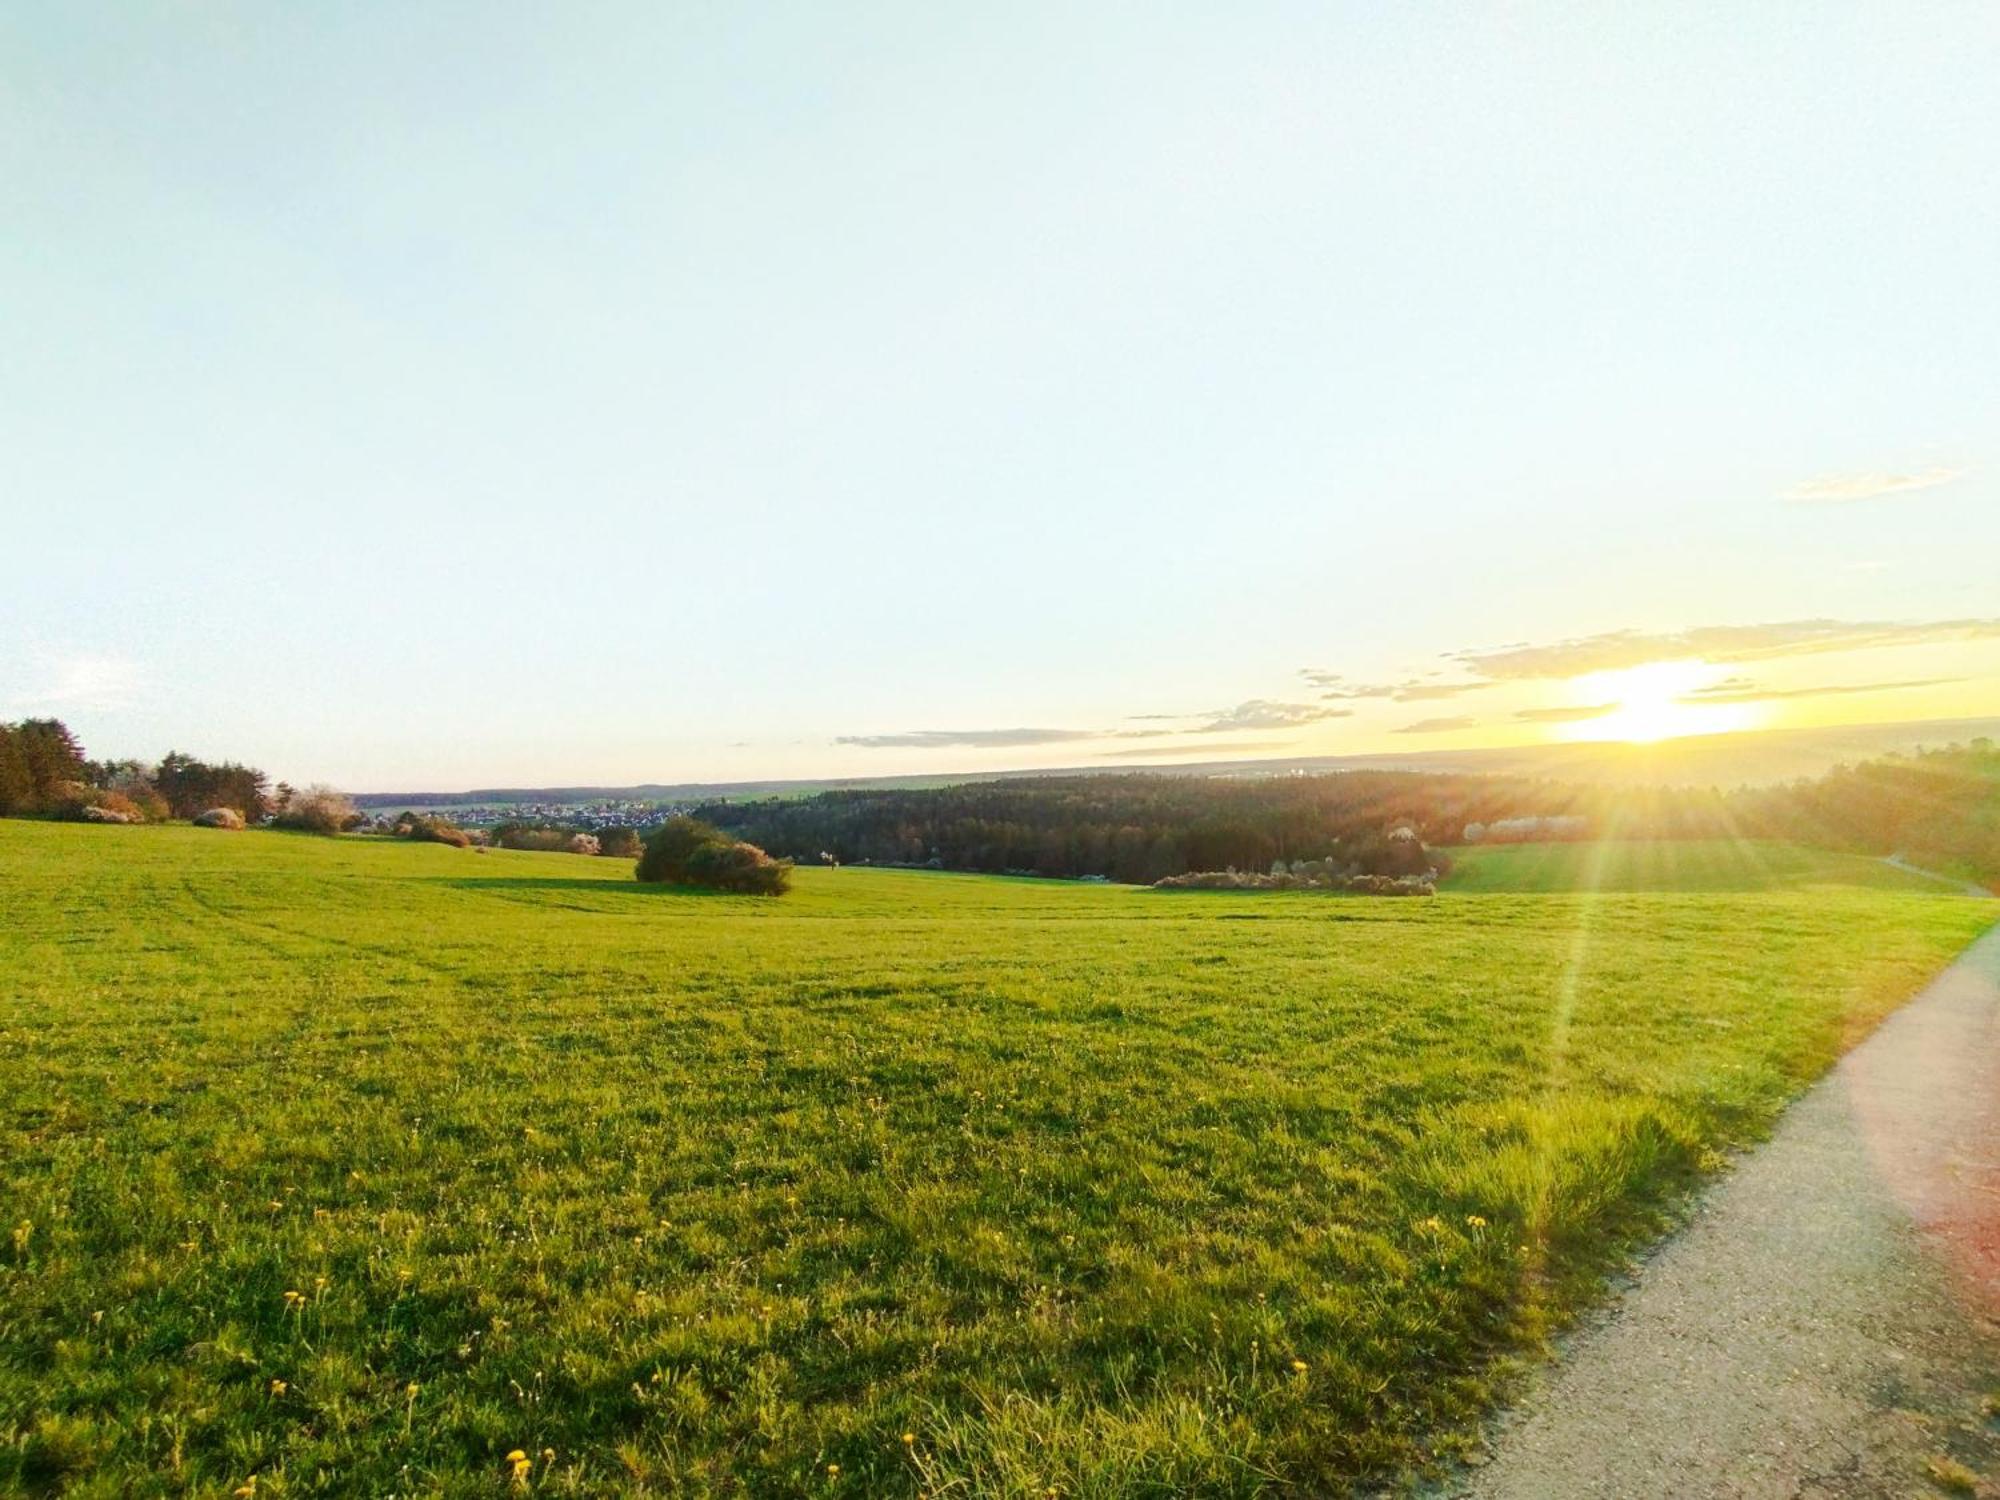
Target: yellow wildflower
1474, 1221
278, 1387
1299, 1367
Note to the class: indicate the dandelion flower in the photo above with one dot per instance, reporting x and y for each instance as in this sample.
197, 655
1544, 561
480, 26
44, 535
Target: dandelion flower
909, 1439
1475, 1221
278, 1387
1299, 1366
833, 1469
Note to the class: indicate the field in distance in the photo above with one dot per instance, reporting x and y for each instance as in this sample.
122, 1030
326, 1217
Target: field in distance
1632, 865
357, 1166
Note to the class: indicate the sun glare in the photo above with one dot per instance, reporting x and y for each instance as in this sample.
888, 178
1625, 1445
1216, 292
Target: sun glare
1653, 704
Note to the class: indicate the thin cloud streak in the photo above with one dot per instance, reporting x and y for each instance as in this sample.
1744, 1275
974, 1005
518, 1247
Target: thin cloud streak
1213, 752
1574, 715
974, 739
1617, 649
1839, 489
1438, 726
83, 684
1416, 690
1425, 692
1740, 690
1264, 713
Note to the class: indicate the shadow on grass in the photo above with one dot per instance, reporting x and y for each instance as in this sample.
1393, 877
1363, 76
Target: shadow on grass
553, 883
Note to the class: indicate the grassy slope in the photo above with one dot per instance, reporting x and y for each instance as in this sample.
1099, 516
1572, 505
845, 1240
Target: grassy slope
709, 1194
1668, 865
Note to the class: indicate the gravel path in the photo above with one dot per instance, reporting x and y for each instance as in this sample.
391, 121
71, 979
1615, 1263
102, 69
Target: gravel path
1965, 887
1828, 1324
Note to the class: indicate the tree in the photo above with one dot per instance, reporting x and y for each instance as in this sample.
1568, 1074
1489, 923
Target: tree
39, 758
191, 786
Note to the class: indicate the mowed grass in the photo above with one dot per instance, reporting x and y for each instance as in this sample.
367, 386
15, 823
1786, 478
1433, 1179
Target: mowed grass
1668, 865
355, 1167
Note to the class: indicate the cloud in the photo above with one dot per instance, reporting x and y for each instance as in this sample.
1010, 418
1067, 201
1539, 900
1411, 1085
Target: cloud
1719, 643
1360, 690
1214, 752
1438, 726
1263, 713
85, 684
1742, 690
1837, 489
1424, 692
1416, 690
1566, 715
976, 739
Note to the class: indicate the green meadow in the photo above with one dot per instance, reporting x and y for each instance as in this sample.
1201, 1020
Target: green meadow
1633, 865
354, 1167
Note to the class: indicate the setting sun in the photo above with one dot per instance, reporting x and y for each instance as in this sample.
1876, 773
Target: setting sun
1652, 702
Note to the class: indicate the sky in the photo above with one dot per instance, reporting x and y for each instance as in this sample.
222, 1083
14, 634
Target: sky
428, 396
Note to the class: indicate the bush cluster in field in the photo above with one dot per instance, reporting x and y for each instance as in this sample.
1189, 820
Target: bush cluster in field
687, 851
359, 1166
1305, 875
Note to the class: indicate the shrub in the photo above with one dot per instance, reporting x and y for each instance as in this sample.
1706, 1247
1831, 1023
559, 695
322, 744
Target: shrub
91, 804
92, 813
435, 831
317, 809
582, 843
670, 847
219, 817
739, 867
150, 804
529, 836
686, 851
1305, 875
618, 843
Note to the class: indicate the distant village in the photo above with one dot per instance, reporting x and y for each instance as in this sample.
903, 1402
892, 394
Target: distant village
588, 815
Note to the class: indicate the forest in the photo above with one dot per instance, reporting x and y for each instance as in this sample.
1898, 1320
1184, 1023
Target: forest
1939, 806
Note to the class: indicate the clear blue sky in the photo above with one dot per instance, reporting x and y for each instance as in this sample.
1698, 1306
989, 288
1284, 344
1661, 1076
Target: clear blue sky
432, 395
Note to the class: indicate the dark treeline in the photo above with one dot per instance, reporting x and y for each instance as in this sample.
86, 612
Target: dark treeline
43, 771
1140, 828
191, 786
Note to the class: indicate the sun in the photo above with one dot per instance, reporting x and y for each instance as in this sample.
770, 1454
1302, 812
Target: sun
1653, 702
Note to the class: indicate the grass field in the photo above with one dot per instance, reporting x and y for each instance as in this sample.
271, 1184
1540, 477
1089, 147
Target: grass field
1668, 865
355, 1167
